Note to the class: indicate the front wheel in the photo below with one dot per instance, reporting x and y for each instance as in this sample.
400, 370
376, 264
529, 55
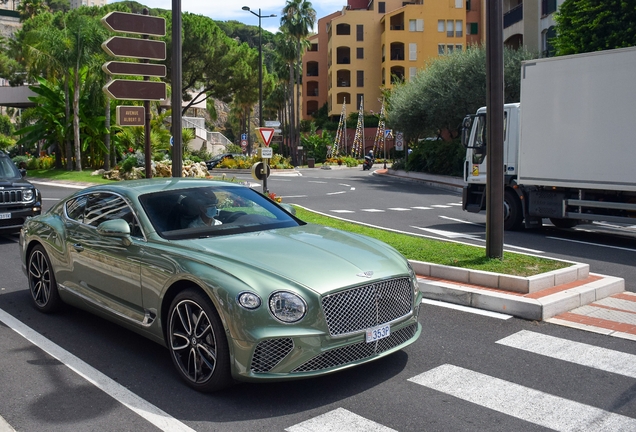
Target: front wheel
197, 343
513, 215
42, 284
564, 223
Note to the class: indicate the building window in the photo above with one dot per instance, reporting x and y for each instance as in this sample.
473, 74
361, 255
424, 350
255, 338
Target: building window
359, 53
381, 7
359, 32
459, 27
441, 49
313, 47
467, 5
450, 28
440, 26
343, 29
459, 47
459, 4
449, 49
472, 28
412, 73
548, 6
412, 51
416, 25
359, 78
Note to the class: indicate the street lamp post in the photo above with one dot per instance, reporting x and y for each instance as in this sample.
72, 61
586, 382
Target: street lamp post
260, 61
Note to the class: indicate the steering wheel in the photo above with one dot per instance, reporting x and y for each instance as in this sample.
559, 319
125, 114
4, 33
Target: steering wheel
232, 216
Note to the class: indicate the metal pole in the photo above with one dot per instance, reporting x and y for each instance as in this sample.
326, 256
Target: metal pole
177, 149
147, 148
260, 70
494, 123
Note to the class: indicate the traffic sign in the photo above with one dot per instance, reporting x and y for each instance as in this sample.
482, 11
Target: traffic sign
135, 23
244, 136
131, 115
128, 68
265, 153
388, 133
119, 46
260, 171
266, 134
272, 123
135, 90
243, 144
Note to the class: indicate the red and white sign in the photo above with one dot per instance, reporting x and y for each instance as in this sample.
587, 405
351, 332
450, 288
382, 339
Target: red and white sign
266, 134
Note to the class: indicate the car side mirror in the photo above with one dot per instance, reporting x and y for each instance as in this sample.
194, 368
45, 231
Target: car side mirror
117, 228
23, 172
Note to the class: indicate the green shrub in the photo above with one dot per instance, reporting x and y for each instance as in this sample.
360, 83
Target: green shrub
437, 157
128, 164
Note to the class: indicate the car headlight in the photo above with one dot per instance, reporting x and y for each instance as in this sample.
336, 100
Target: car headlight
248, 300
416, 285
287, 307
27, 194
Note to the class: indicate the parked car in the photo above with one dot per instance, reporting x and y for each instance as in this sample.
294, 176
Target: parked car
219, 158
256, 295
19, 199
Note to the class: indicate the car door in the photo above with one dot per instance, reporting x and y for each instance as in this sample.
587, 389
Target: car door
105, 271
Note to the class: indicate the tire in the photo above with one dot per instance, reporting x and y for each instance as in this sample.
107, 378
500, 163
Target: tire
513, 216
197, 342
564, 223
42, 284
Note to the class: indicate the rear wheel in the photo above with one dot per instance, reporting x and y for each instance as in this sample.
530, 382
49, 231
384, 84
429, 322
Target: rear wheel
42, 284
513, 215
197, 342
564, 223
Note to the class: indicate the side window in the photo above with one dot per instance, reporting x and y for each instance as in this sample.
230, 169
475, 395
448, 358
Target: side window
75, 208
103, 207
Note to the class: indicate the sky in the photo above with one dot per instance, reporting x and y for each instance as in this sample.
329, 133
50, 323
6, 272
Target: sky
225, 10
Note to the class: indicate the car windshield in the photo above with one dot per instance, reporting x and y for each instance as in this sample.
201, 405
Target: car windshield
8, 170
213, 211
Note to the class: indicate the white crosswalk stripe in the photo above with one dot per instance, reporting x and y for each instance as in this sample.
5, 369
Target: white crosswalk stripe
573, 352
521, 402
339, 420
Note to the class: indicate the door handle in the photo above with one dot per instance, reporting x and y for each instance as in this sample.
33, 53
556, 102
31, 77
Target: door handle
78, 247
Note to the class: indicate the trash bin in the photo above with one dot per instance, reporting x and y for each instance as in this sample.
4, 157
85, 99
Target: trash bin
311, 162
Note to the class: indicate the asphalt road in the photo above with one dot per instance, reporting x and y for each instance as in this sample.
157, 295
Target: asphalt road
467, 372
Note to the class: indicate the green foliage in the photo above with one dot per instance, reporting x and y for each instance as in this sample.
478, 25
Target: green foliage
437, 157
448, 88
128, 164
6, 126
315, 145
6, 142
594, 25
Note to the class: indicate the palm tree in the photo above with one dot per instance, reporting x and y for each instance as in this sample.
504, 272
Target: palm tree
298, 18
30, 8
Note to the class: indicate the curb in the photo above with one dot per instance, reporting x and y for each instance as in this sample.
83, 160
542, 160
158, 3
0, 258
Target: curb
539, 297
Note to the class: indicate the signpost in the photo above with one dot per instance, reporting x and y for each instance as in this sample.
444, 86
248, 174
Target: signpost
137, 48
131, 115
266, 134
266, 153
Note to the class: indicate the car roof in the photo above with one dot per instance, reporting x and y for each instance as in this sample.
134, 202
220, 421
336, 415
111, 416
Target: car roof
135, 188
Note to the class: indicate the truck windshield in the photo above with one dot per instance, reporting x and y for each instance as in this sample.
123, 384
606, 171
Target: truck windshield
479, 148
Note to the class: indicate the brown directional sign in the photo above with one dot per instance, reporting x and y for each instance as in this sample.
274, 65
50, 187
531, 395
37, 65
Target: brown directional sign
135, 90
141, 69
131, 115
134, 23
135, 48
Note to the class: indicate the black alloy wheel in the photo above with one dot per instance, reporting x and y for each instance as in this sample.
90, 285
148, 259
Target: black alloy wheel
42, 285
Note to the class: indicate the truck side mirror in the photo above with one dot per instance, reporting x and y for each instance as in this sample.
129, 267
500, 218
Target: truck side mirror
467, 124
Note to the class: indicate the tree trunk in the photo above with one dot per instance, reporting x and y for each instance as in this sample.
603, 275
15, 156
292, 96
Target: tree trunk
298, 84
292, 122
67, 107
107, 135
76, 134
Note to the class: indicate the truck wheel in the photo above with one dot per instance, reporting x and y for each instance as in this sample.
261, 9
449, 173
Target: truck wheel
564, 223
513, 216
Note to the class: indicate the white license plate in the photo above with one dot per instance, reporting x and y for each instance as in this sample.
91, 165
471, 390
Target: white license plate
5, 215
379, 332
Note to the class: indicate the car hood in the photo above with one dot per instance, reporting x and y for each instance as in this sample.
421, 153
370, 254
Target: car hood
14, 182
320, 258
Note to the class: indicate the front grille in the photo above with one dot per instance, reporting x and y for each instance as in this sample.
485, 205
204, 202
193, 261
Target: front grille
358, 309
9, 197
355, 352
269, 353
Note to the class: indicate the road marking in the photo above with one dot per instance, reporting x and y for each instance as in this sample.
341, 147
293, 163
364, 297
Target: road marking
336, 193
593, 244
118, 392
460, 220
574, 352
316, 181
339, 420
455, 235
455, 204
399, 209
342, 211
524, 403
440, 206
51, 199
467, 309
422, 208
294, 196
372, 210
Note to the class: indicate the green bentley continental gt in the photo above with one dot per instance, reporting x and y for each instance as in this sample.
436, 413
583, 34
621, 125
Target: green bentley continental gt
231, 282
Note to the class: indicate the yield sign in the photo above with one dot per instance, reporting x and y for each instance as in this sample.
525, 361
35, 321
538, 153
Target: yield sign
266, 134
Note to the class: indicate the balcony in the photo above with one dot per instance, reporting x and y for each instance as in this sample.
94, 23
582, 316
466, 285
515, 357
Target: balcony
513, 16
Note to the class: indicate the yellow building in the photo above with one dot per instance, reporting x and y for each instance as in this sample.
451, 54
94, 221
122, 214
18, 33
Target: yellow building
369, 45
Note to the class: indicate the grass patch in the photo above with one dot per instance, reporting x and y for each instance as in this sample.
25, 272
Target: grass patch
441, 252
75, 176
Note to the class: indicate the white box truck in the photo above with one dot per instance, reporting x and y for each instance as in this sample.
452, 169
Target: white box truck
569, 150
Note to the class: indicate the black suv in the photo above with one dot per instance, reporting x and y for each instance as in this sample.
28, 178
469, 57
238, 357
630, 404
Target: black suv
19, 199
